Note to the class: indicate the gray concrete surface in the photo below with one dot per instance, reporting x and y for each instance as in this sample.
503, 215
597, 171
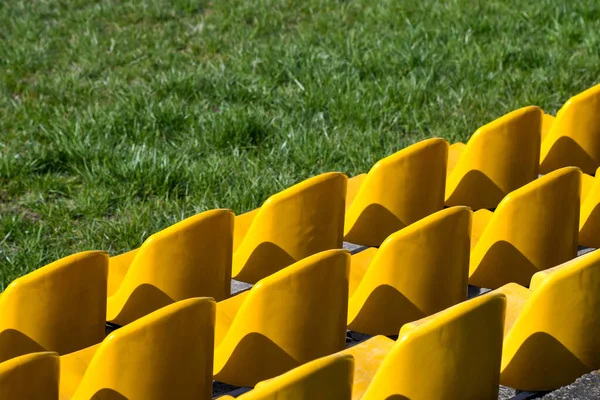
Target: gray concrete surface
586, 387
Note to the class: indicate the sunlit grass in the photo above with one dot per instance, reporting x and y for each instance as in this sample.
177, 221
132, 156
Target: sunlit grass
119, 118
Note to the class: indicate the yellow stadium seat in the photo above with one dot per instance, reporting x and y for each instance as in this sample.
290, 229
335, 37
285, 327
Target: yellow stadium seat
551, 330
32, 376
399, 190
327, 378
533, 228
300, 221
189, 259
572, 138
294, 316
454, 354
417, 271
589, 220
500, 157
60, 307
167, 354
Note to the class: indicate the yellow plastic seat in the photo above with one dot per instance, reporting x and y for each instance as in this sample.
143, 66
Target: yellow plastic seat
167, 354
399, 190
572, 138
500, 157
60, 307
327, 378
417, 271
454, 354
189, 259
533, 228
293, 224
287, 319
32, 376
589, 220
551, 331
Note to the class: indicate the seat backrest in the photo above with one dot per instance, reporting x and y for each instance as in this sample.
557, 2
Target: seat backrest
32, 376
500, 157
427, 263
166, 354
454, 354
534, 227
302, 308
297, 222
60, 307
191, 258
574, 137
327, 378
562, 314
418, 174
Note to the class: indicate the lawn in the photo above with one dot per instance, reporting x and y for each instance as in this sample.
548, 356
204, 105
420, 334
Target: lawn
119, 118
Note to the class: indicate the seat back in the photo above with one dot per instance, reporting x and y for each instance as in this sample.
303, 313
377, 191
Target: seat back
454, 354
191, 258
291, 317
500, 157
166, 354
60, 307
327, 378
417, 271
533, 228
32, 376
574, 137
556, 333
300, 221
398, 190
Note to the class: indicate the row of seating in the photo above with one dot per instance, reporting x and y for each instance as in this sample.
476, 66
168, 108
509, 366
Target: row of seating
532, 339
525, 234
427, 257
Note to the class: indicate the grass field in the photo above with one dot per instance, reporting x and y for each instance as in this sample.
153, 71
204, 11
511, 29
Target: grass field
119, 118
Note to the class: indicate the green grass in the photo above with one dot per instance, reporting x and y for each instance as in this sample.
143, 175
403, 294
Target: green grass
119, 118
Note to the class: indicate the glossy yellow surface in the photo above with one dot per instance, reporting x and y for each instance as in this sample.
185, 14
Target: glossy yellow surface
60, 307
551, 334
417, 271
500, 157
32, 376
533, 228
300, 221
289, 318
399, 190
589, 220
165, 355
189, 259
573, 137
327, 378
454, 354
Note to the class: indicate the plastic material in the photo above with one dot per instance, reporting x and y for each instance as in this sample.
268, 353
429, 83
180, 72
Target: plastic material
418, 271
60, 307
399, 190
589, 220
534, 228
551, 333
165, 355
454, 354
300, 221
32, 377
573, 137
289, 318
500, 157
189, 259
327, 378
